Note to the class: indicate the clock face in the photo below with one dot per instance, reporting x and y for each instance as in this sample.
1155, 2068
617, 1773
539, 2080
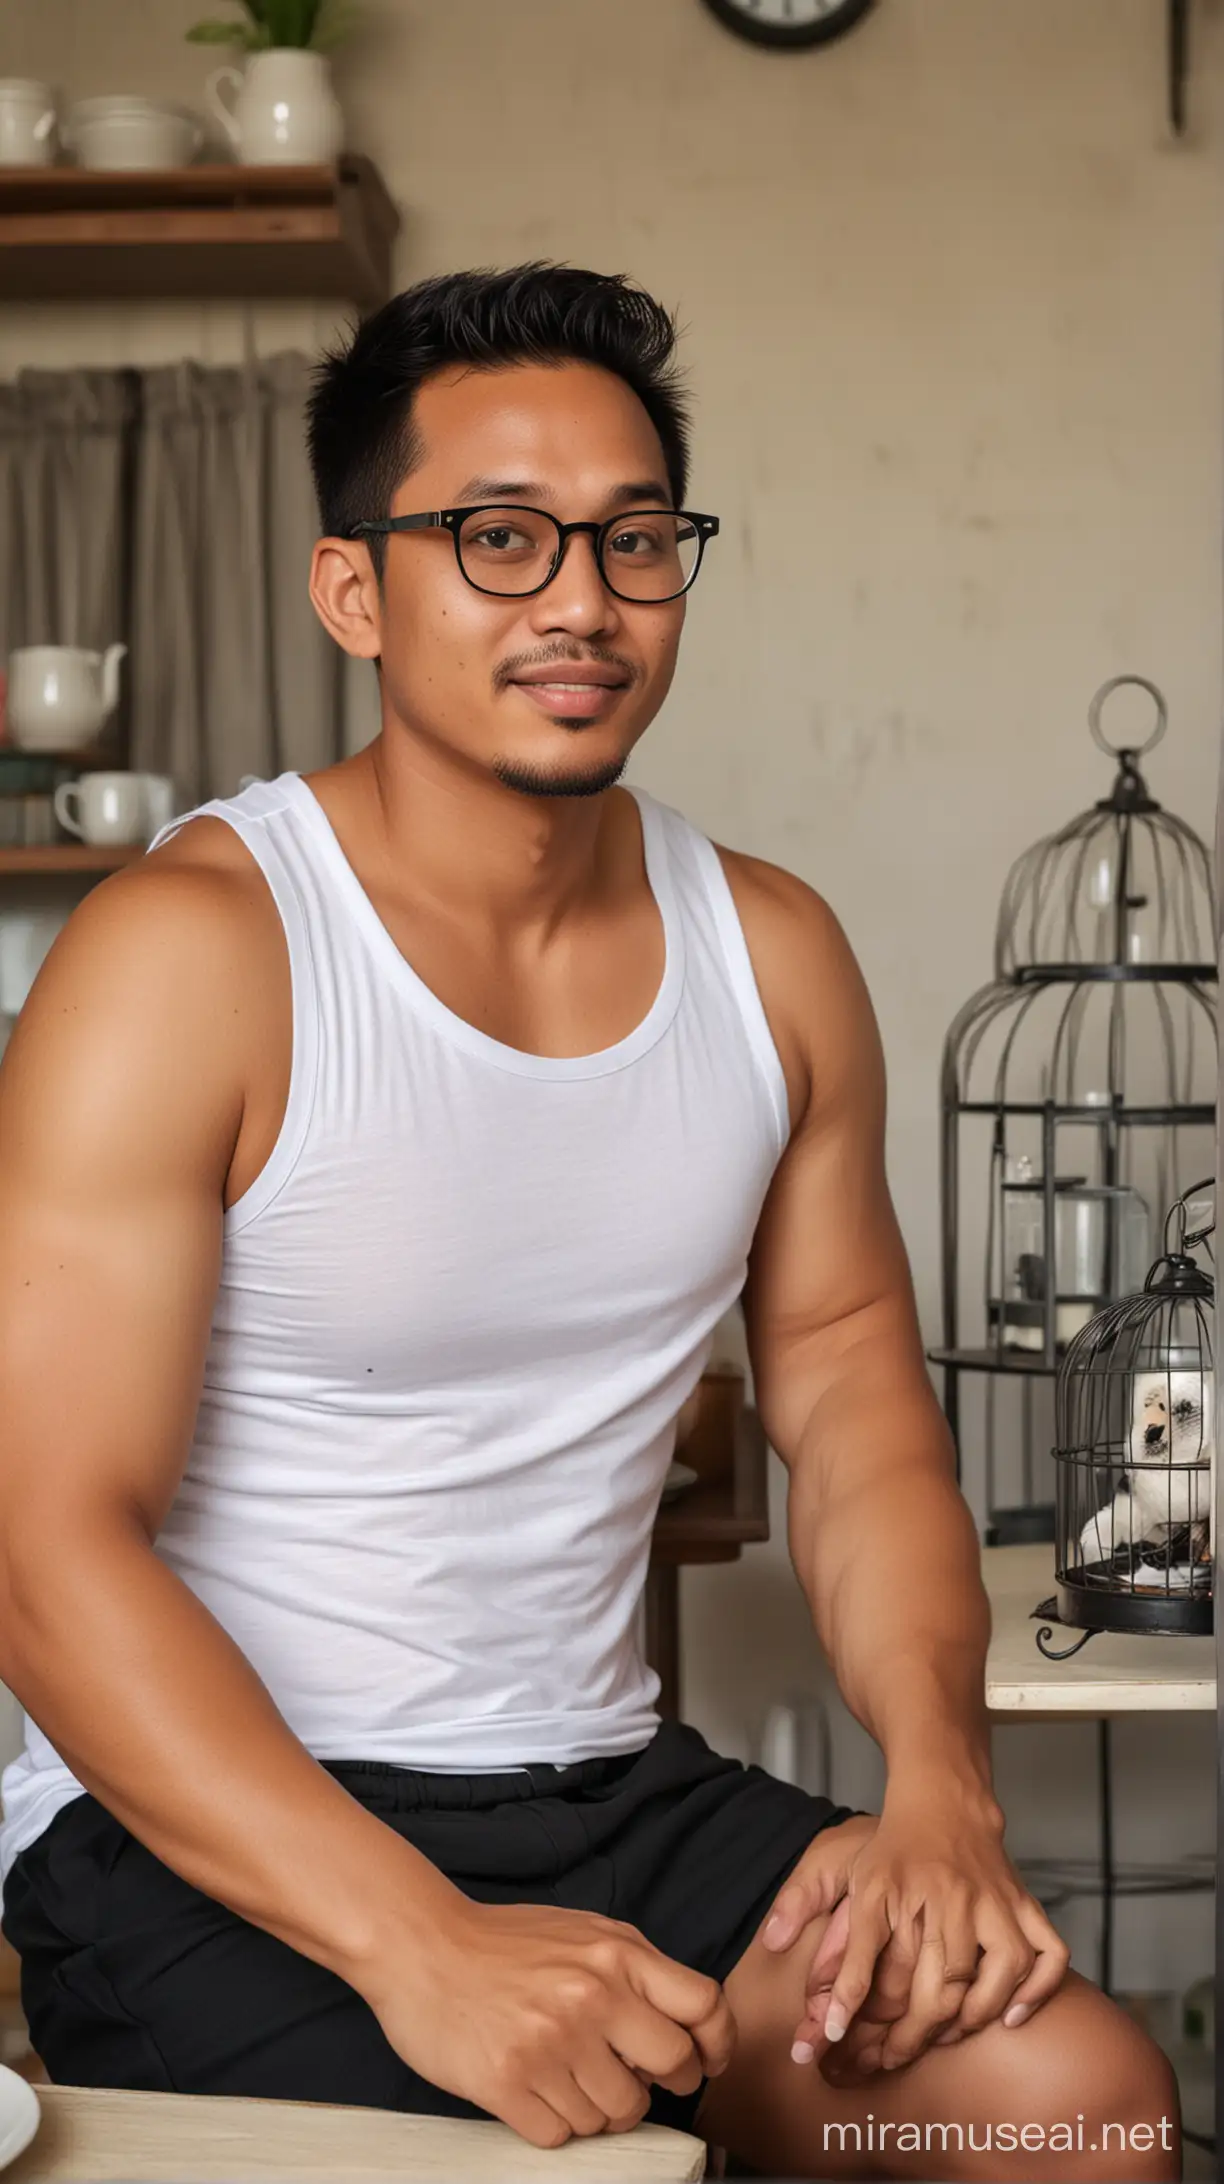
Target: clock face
790, 23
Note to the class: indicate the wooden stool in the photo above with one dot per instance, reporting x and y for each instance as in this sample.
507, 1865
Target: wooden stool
93, 2137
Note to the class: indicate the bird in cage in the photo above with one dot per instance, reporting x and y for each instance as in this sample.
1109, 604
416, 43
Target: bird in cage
1156, 1530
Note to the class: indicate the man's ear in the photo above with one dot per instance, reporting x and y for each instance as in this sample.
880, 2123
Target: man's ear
345, 595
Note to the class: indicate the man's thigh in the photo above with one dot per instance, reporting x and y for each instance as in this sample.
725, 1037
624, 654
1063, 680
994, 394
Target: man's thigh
132, 1978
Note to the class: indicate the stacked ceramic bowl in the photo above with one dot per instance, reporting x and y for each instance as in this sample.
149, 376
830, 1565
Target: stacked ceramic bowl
127, 132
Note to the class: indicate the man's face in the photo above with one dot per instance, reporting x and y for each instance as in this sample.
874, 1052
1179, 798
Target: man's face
505, 682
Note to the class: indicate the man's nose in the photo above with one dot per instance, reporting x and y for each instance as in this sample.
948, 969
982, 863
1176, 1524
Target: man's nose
577, 599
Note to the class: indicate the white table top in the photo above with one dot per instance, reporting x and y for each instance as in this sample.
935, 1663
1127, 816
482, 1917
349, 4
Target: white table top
1113, 1674
90, 2136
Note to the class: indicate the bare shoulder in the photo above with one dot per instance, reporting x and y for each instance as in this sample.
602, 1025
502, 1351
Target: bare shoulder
811, 987
787, 916
149, 1005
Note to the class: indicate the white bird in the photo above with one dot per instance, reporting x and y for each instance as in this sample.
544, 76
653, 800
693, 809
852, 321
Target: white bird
1171, 1427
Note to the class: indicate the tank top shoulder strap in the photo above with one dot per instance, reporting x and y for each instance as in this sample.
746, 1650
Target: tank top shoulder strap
702, 885
262, 815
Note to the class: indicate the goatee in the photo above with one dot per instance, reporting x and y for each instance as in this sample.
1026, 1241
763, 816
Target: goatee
559, 780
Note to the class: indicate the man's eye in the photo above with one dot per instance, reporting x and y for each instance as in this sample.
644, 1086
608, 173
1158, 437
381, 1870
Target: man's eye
500, 539
635, 544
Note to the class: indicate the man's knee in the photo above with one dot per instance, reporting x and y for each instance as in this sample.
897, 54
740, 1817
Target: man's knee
1082, 2064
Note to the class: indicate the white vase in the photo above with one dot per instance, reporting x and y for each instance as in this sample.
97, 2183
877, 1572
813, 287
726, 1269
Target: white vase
284, 113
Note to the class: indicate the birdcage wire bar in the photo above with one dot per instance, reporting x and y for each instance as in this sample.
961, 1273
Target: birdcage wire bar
1135, 1452
1078, 1090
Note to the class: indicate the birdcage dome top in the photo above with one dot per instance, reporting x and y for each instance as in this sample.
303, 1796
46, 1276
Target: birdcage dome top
1123, 890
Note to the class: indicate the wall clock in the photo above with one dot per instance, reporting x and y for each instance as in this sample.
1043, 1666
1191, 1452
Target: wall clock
789, 24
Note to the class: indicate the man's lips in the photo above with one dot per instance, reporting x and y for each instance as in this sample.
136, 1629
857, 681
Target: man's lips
574, 671
572, 690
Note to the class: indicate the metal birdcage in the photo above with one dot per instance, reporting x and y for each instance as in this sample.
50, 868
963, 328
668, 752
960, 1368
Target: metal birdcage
1134, 1454
1078, 1089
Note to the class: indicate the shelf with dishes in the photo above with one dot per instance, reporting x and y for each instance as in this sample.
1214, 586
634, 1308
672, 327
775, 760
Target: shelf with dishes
68, 801
218, 230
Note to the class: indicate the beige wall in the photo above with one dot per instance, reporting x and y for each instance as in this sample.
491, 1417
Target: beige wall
953, 311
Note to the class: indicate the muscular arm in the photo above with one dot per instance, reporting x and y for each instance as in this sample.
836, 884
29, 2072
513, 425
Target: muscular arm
882, 1540
937, 1935
122, 1098
120, 1101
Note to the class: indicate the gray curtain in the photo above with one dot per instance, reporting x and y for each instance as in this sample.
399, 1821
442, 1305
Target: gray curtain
65, 453
232, 672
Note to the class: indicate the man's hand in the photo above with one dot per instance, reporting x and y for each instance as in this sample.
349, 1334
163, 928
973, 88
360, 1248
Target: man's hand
557, 2022
934, 1937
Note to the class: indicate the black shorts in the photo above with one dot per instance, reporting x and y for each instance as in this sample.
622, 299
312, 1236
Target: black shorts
130, 1977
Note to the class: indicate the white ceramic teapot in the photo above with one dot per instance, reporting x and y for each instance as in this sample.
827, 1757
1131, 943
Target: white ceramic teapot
60, 696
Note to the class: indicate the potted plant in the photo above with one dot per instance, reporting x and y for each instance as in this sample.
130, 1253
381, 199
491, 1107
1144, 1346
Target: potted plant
284, 109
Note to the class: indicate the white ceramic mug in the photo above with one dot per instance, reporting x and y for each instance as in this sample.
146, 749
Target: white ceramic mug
285, 112
158, 800
109, 807
27, 122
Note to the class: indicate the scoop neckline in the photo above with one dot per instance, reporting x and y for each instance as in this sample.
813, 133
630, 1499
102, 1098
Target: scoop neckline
468, 1036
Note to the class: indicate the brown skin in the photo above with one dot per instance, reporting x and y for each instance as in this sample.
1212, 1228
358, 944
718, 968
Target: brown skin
143, 1091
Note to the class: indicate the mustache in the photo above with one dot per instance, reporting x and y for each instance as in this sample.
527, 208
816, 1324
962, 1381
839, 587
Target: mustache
546, 655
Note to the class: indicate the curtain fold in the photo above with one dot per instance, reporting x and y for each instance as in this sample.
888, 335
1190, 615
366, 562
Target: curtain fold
232, 672
66, 443
173, 509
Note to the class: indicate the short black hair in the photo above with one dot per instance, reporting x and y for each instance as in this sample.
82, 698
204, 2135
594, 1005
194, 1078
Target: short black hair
360, 429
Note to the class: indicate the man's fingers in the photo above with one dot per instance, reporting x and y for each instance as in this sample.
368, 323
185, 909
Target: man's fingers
935, 1999
534, 2120
616, 2092
692, 2000
868, 1935
561, 2092
793, 1908
1047, 1971
655, 2046
889, 1994
827, 1962
818, 1882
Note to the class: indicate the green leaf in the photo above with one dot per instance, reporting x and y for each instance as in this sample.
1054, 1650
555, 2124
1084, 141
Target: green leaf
337, 20
290, 22
219, 34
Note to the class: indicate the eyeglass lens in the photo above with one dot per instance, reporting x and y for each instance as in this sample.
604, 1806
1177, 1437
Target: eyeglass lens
650, 554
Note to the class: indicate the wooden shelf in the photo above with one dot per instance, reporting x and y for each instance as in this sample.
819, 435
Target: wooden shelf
92, 758
81, 234
68, 857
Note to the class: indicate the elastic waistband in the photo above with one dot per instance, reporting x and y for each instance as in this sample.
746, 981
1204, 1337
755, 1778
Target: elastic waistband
410, 1787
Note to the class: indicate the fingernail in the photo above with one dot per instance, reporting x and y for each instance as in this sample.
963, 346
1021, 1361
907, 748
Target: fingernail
1016, 2014
835, 2022
774, 1930
803, 2052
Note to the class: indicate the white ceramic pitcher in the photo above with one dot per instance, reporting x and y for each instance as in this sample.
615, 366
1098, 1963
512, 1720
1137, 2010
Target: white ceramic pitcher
285, 112
60, 696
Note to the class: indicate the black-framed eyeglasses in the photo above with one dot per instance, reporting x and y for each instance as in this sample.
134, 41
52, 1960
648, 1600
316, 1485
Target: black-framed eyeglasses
511, 552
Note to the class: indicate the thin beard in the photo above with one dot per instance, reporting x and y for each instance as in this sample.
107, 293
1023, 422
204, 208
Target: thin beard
533, 781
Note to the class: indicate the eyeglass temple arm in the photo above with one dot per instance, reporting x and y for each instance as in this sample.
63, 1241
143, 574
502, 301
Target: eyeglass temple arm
431, 522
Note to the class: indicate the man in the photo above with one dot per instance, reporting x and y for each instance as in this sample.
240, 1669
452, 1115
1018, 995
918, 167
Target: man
376, 1160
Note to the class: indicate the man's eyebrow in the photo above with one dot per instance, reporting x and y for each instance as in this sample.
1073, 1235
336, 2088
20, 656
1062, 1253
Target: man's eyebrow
641, 493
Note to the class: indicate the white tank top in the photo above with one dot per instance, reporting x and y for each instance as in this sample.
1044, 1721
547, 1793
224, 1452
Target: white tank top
458, 1313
